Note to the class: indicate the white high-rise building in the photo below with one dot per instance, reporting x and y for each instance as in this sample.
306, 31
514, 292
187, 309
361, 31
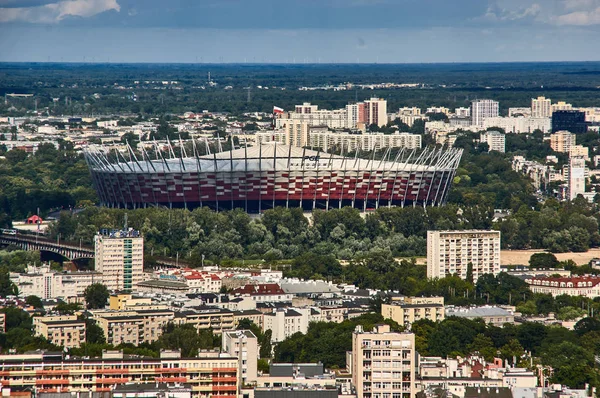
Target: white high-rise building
541, 107
296, 133
450, 252
376, 112
243, 345
496, 141
383, 363
576, 182
119, 256
482, 109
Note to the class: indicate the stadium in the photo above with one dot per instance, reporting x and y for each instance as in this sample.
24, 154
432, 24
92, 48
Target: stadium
269, 175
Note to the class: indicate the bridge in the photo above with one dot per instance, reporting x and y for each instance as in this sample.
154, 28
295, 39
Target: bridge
69, 250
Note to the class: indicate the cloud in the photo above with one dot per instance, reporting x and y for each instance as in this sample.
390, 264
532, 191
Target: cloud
496, 13
54, 12
579, 18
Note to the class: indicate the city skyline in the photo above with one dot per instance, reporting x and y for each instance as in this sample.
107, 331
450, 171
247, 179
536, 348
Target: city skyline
264, 31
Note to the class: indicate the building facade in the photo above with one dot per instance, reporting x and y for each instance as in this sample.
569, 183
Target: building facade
541, 107
461, 252
576, 181
482, 109
562, 141
496, 141
383, 363
584, 286
119, 257
412, 309
64, 331
571, 121
243, 345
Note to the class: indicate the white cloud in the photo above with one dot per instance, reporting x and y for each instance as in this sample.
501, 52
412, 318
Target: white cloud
581, 5
579, 18
496, 13
55, 12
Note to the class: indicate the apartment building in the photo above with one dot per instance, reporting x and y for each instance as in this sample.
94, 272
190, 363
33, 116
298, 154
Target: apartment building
285, 322
496, 141
243, 345
585, 286
132, 327
482, 109
210, 374
519, 124
376, 112
217, 319
264, 293
64, 331
562, 141
410, 309
541, 107
489, 314
47, 283
296, 133
455, 252
365, 142
576, 177
119, 256
383, 363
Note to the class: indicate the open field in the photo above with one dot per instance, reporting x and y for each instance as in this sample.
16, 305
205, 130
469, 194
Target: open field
521, 257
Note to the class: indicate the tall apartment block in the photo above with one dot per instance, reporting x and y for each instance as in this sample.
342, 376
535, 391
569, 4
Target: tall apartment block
376, 109
119, 256
450, 252
541, 107
562, 141
383, 363
576, 181
482, 109
243, 345
496, 140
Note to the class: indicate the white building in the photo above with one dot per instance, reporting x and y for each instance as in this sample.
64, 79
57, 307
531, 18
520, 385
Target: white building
313, 116
482, 109
519, 124
47, 284
451, 252
365, 142
119, 256
496, 141
285, 322
376, 112
585, 286
541, 107
576, 181
243, 345
383, 363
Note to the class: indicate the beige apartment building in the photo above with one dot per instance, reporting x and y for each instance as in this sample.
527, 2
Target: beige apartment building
134, 327
243, 345
65, 331
119, 256
451, 252
562, 141
383, 363
541, 107
217, 319
412, 309
296, 133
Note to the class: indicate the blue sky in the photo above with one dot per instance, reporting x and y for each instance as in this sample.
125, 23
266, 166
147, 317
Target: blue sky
299, 30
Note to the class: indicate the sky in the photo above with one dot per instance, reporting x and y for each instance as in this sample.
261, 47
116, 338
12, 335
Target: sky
299, 31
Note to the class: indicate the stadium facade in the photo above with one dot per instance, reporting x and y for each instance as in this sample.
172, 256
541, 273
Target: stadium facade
268, 175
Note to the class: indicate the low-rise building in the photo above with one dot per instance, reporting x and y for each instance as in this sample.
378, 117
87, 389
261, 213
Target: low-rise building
203, 318
285, 322
264, 293
64, 331
492, 315
132, 327
46, 283
412, 309
585, 286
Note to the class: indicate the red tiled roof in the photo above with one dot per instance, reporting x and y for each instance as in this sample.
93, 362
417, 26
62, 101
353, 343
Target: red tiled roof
260, 289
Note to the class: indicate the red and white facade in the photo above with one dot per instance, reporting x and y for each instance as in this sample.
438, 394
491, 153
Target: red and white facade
586, 286
269, 175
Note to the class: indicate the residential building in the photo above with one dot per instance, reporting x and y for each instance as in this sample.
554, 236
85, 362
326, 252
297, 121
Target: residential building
286, 375
264, 292
576, 181
383, 363
519, 124
298, 391
463, 252
579, 151
492, 315
585, 286
149, 390
285, 322
243, 345
571, 121
541, 107
410, 309
562, 141
312, 116
64, 331
482, 109
47, 283
561, 106
438, 109
349, 142
203, 318
376, 112
519, 111
462, 112
132, 327
210, 373
296, 133
252, 315
163, 286
119, 256
496, 140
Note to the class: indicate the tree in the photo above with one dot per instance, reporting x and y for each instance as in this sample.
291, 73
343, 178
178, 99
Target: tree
96, 295
64, 308
470, 272
587, 325
34, 301
187, 339
543, 260
93, 333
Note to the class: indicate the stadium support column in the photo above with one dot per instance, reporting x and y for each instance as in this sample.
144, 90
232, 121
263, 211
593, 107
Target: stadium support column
397, 163
372, 161
246, 175
216, 166
318, 161
260, 181
231, 171
166, 164
384, 161
198, 170
442, 157
124, 175
149, 165
425, 165
289, 171
356, 182
133, 158
406, 189
330, 177
344, 167
274, 172
302, 163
